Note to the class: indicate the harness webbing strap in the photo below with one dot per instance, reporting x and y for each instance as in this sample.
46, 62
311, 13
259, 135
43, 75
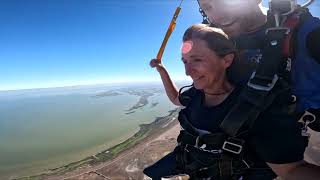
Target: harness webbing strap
271, 57
201, 156
185, 124
243, 114
225, 167
210, 171
258, 94
204, 164
210, 140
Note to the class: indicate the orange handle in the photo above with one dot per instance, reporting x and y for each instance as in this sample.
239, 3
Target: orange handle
168, 34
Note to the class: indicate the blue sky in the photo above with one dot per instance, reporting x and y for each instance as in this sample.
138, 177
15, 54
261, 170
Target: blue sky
52, 43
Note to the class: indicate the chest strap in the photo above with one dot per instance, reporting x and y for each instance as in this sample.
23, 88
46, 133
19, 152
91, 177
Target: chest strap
259, 92
201, 163
209, 141
208, 155
190, 135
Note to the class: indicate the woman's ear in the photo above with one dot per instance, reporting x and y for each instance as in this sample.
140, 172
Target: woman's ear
228, 59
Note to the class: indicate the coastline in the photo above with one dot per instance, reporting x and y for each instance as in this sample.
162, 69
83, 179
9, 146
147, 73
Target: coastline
145, 132
33, 168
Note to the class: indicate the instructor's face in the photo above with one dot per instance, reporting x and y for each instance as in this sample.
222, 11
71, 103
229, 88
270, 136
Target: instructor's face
230, 15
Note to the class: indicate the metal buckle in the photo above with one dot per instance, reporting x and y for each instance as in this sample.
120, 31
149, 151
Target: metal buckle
284, 30
179, 176
203, 146
197, 141
233, 145
306, 119
247, 164
287, 30
260, 87
308, 115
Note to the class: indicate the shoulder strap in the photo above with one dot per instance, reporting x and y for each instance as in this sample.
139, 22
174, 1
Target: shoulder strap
185, 96
259, 92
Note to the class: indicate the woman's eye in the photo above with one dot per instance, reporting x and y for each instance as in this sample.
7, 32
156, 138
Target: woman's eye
197, 60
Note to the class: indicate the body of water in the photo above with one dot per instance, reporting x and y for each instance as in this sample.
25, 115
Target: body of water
47, 128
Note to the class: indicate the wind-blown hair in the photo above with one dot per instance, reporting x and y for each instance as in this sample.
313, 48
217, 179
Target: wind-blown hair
215, 38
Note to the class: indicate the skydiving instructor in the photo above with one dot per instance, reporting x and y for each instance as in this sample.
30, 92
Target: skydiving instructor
246, 24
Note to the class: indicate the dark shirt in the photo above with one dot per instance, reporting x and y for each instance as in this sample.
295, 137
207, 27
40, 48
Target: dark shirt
275, 137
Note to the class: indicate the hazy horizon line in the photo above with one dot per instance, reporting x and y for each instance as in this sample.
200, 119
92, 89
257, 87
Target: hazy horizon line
87, 84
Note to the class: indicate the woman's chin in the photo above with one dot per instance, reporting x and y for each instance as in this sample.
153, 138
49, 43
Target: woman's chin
197, 86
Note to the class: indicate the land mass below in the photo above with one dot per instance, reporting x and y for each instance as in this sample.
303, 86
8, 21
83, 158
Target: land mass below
102, 161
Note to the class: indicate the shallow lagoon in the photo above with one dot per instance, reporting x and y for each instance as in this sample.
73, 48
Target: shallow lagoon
47, 128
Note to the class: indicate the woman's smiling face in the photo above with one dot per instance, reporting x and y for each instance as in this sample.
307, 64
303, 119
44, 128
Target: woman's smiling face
202, 64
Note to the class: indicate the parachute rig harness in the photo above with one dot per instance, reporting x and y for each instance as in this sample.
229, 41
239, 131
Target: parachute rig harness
288, 16
284, 16
268, 81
